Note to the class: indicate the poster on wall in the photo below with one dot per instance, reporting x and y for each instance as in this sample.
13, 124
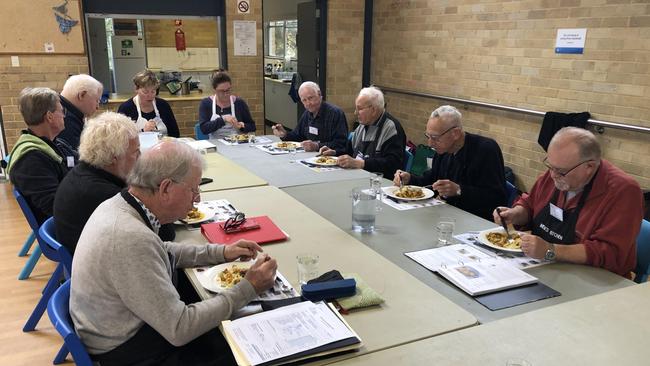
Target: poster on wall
245, 37
570, 40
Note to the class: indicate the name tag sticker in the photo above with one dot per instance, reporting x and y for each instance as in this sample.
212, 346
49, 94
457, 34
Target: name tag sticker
70, 160
556, 212
313, 130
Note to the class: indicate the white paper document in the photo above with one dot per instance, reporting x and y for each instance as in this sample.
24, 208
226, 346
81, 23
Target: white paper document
451, 255
518, 260
286, 331
486, 276
201, 144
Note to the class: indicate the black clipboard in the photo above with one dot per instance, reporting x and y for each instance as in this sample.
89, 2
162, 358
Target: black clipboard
516, 296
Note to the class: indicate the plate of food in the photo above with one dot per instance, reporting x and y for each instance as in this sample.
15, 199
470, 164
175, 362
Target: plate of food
240, 138
198, 214
409, 193
323, 160
496, 238
224, 276
286, 145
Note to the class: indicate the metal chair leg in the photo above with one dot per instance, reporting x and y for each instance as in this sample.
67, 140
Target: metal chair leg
28, 244
31, 262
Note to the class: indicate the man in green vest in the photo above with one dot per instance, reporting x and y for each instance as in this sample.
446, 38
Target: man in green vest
36, 166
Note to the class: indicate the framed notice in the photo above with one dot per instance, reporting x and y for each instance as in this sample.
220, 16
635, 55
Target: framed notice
245, 37
41, 26
570, 40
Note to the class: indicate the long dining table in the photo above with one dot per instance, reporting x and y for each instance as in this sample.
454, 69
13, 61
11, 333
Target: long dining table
282, 170
226, 174
605, 329
398, 232
412, 311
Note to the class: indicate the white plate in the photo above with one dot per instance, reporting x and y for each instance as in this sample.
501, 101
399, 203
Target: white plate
482, 237
276, 145
208, 213
390, 191
209, 279
314, 160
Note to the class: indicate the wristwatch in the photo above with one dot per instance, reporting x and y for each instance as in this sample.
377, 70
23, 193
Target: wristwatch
550, 253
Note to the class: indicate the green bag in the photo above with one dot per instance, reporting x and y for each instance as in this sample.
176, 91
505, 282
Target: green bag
365, 295
422, 153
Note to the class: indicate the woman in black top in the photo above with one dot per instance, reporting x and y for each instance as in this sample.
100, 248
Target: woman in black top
216, 115
149, 112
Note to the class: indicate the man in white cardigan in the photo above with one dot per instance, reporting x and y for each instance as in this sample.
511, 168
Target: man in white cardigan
124, 302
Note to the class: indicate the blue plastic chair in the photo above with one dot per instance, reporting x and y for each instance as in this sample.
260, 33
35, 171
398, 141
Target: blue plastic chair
350, 135
30, 239
408, 160
198, 135
642, 253
511, 193
56, 253
58, 309
33, 224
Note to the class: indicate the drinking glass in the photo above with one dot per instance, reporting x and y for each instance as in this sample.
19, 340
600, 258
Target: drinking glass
307, 267
445, 230
375, 186
292, 152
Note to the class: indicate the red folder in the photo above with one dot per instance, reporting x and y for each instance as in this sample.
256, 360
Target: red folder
267, 233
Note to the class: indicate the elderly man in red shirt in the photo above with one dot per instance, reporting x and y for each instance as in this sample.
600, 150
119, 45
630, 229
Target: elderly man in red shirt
582, 210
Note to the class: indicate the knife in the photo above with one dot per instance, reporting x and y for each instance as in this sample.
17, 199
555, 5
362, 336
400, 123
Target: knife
505, 226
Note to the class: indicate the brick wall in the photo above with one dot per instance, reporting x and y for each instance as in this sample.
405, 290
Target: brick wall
344, 53
503, 52
247, 71
35, 70
200, 33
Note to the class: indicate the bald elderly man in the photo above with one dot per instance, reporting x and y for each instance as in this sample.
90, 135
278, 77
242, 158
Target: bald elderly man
582, 210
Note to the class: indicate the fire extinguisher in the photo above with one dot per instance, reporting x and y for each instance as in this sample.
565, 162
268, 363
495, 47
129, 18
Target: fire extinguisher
179, 36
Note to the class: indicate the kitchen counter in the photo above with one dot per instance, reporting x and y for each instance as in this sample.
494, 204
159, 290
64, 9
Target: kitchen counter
194, 95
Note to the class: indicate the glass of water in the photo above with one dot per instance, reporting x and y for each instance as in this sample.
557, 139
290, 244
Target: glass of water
445, 230
292, 152
375, 186
307, 267
364, 209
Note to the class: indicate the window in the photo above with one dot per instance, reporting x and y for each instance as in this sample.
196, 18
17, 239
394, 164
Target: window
281, 39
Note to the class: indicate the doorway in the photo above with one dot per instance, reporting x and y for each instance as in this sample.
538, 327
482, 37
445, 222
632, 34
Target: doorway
294, 38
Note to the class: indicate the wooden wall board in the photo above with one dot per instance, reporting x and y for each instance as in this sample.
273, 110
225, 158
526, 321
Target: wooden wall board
26, 27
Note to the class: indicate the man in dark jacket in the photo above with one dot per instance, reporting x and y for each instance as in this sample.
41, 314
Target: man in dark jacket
467, 169
37, 166
379, 141
80, 99
322, 123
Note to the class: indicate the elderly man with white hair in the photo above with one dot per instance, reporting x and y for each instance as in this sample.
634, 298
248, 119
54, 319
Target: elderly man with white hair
124, 301
379, 141
582, 209
80, 99
108, 150
467, 169
322, 123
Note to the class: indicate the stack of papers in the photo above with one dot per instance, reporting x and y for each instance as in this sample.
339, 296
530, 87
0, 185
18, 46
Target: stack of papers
472, 270
289, 334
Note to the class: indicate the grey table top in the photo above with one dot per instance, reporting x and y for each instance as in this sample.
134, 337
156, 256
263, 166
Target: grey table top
606, 329
280, 170
411, 311
404, 231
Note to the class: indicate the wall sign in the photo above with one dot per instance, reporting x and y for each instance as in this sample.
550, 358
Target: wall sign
570, 40
244, 6
245, 37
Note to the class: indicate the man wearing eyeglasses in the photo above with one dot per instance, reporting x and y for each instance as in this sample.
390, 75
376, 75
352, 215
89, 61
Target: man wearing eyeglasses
582, 210
379, 140
322, 123
467, 169
124, 298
